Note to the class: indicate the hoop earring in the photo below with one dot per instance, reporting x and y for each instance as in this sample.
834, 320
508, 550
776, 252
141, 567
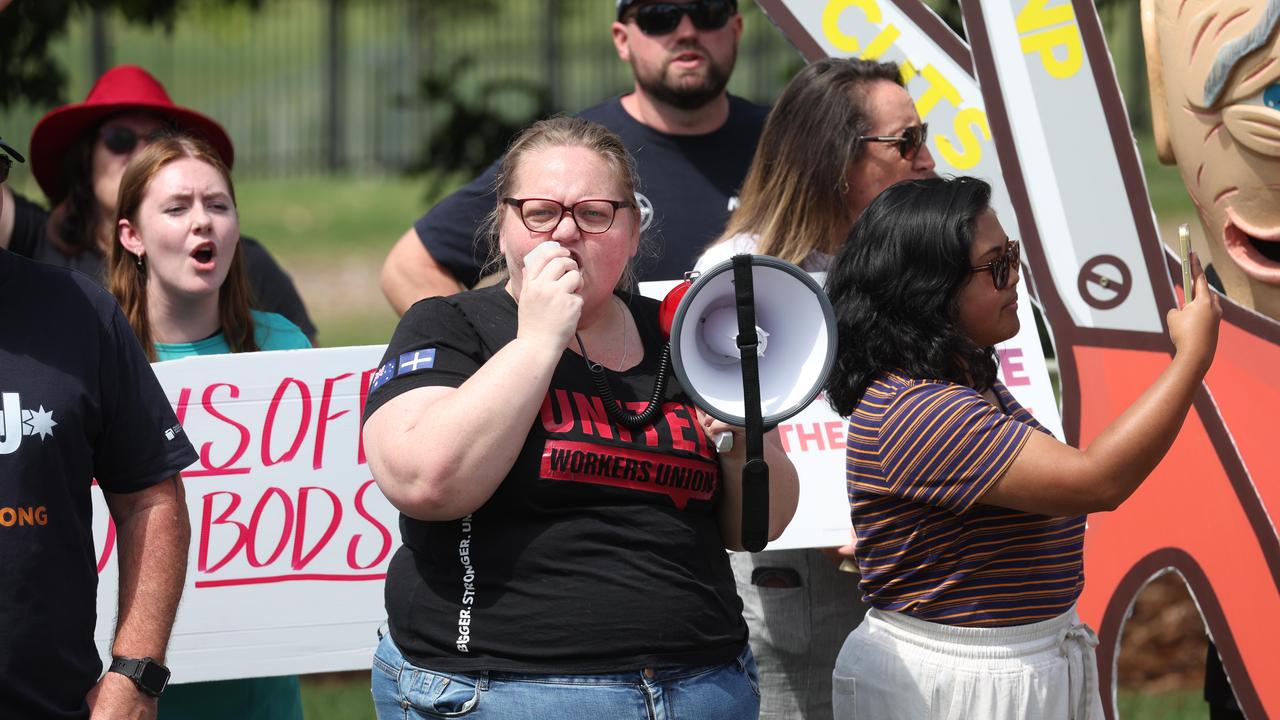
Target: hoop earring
844, 186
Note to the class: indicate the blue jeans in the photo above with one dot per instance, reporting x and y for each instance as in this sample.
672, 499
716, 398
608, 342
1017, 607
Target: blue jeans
404, 691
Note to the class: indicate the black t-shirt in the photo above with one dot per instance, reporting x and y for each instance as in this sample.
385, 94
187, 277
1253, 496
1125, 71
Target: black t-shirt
690, 181
601, 549
79, 402
272, 288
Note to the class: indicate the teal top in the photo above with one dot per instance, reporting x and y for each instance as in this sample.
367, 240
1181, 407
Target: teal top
268, 698
271, 331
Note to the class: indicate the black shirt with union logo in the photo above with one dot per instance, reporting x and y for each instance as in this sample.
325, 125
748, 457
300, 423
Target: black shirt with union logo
601, 549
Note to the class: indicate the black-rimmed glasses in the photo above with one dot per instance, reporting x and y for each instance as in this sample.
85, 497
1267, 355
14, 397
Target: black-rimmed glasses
591, 216
661, 18
1000, 266
909, 142
122, 139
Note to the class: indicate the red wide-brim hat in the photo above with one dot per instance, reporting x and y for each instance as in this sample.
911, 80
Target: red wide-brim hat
122, 89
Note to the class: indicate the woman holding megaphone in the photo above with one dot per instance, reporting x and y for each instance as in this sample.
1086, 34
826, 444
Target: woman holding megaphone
970, 515
559, 551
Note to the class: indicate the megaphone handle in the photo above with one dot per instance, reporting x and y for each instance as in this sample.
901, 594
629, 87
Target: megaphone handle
755, 473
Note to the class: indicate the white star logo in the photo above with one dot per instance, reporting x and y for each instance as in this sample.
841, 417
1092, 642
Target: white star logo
42, 422
646, 211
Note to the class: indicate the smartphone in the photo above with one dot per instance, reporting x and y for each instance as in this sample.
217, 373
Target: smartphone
1184, 252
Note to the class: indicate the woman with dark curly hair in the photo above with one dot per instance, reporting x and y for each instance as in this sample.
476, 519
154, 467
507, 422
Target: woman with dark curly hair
970, 515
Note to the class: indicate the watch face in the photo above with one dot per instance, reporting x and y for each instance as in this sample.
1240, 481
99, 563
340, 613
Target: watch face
153, 678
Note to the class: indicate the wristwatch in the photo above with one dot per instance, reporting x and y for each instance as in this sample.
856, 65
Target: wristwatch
150, 676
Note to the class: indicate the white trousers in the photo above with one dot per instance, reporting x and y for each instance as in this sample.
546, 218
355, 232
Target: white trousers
894, 666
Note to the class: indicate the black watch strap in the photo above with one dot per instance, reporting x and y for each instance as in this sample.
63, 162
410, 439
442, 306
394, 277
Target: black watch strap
148, 675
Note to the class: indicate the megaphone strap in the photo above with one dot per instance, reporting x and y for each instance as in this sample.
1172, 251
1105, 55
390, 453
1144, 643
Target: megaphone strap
625, 418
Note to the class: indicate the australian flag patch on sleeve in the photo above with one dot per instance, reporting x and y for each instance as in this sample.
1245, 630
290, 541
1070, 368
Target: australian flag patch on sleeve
406, 364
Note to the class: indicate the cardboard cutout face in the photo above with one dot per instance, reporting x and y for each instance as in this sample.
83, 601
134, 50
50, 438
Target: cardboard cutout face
1215, 105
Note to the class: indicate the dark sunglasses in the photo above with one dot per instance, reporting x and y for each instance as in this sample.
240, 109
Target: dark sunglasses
664, 17
122, 139
909, 142
1000, 266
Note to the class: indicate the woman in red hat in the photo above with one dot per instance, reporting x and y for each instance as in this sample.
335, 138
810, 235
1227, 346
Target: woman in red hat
78, 154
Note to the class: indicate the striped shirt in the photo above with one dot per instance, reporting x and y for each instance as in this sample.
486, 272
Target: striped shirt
920, 455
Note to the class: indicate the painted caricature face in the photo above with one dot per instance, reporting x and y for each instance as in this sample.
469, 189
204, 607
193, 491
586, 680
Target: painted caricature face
687, 67
188, 229
987, 314
569, 175
107, 164
1215, 85
880, 164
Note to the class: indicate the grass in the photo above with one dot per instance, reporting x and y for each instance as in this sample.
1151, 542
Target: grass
345, 696
1172, 705
344, 330
337, 696
327, 216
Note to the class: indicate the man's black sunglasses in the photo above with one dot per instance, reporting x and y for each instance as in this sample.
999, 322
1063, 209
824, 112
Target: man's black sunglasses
7, 156
661, 18
909, 142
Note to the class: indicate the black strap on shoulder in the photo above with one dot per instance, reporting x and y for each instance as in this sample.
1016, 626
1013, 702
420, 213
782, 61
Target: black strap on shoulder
755, 473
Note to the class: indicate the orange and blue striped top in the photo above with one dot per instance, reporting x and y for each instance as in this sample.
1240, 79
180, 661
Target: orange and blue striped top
921, 454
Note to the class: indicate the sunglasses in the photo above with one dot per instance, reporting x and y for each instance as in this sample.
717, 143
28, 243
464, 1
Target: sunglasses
591, 216
664, 17
1000, 266
122, 139
909, 142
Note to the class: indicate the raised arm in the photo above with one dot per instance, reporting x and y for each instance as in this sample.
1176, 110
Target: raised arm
1051, 478
152, 536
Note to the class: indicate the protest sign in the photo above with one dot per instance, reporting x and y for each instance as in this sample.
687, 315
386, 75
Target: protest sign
290, 537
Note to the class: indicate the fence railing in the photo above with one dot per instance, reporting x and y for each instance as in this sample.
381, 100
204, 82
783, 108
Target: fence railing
307, 86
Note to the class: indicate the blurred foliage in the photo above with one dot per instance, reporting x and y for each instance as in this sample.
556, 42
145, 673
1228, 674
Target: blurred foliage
468, 131
30, 73
27, 69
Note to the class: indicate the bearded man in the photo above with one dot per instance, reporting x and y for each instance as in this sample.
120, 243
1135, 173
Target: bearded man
692, 142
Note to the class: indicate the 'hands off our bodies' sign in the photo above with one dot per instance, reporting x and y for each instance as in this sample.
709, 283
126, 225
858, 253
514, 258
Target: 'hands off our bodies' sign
290, 537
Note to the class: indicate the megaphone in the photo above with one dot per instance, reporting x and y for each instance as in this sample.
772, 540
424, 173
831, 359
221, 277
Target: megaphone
752, 341
796, 348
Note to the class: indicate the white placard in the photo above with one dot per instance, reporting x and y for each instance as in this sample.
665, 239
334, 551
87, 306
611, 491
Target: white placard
290, 538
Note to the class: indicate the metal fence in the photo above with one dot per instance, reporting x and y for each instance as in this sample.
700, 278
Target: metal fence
307, 86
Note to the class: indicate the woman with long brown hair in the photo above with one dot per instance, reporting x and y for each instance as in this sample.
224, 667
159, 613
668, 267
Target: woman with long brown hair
177, 269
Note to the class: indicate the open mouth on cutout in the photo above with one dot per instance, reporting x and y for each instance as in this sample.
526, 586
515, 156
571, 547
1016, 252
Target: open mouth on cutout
1254, 249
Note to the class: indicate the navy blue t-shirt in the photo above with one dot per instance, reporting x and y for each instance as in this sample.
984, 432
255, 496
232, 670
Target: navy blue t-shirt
690, 181
78, 401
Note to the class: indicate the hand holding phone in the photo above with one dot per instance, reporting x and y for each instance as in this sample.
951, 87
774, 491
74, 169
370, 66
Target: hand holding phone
1184, 253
